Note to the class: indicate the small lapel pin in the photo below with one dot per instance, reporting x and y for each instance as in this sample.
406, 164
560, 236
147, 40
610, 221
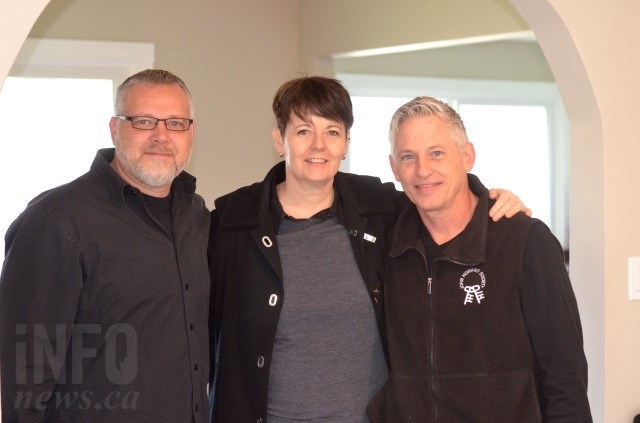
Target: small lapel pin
369, 238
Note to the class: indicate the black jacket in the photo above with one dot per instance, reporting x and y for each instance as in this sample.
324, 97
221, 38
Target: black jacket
246, 272
489, 332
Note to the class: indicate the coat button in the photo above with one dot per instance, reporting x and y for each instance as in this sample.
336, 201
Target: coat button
273, 300
260, 362
266, 241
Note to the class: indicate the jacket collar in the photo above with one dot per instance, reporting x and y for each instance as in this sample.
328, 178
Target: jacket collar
183, 184
359, 195
249, 205
363, 194
468, 247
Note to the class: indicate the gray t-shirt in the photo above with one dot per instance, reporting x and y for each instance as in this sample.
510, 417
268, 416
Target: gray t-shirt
327, 361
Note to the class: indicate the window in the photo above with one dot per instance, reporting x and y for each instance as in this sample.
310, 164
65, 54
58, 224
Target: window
519, 130
58, 100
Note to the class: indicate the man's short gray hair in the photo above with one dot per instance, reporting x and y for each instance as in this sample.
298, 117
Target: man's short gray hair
150, 77
424, 107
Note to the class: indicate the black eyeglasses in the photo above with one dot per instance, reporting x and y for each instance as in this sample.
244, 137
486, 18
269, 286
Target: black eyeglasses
148, 123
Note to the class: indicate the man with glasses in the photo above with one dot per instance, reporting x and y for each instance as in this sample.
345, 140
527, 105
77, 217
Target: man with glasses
104, 289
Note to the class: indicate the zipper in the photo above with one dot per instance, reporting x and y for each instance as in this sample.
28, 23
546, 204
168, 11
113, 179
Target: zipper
431, 335
432, 359
432, 355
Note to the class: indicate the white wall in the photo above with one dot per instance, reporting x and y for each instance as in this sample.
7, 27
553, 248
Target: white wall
604, 218
338, 26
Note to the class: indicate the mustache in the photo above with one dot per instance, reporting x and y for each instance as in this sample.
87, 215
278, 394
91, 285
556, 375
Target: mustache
160, 150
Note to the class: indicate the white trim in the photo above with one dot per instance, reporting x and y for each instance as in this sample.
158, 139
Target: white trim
41, 57
470, 91
405, 48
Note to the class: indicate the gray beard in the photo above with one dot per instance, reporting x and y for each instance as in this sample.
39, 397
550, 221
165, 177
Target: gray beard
155, 177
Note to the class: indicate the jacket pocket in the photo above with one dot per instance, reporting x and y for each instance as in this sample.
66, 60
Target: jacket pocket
505, 397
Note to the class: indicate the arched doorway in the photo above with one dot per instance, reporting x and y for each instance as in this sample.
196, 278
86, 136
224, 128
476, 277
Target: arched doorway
587, 264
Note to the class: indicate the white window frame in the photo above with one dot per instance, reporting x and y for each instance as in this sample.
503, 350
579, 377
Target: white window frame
489, 92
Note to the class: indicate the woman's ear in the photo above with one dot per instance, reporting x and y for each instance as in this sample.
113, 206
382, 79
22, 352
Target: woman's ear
278, 141
346, 147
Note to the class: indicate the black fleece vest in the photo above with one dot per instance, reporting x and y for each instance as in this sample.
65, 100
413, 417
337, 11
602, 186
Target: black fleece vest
458, 344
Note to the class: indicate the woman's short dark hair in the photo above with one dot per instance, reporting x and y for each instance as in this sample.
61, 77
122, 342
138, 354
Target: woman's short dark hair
312, 95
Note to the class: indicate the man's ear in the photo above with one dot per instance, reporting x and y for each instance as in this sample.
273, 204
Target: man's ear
112, 128
469, 156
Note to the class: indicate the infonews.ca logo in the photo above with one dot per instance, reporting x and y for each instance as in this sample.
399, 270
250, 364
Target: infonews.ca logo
41, 359
83, 400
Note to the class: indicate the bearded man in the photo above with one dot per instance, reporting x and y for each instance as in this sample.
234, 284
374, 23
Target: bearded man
104, 289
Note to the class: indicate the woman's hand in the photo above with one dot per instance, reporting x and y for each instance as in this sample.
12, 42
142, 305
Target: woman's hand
507, 204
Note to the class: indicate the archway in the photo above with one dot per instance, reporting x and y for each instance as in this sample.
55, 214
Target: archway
17, 19
587, 264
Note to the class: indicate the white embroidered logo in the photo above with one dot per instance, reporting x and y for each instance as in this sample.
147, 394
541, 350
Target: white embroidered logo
474, 292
